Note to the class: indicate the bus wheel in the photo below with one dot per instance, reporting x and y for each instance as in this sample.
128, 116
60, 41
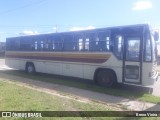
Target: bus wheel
30, 68
106, 78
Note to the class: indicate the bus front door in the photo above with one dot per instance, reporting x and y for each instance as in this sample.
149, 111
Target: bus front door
132, 66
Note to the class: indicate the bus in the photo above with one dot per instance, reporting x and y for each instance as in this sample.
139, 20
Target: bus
123, 54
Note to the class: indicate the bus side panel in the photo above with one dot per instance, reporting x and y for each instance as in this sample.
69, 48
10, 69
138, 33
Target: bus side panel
113, 64
39, 66
16, 64
149, 75
118, 72
49, 67
88, 71
73, 69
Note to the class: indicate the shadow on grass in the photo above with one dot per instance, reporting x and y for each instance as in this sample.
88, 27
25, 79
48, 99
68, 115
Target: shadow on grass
127, 91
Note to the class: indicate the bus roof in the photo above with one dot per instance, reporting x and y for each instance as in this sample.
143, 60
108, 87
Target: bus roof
89, 30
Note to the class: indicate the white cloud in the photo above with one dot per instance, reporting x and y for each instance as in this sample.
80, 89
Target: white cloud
2, 33
28, 32
82, 28
54, 28
142, 5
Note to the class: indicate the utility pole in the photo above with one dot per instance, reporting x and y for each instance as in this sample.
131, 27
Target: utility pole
56, 28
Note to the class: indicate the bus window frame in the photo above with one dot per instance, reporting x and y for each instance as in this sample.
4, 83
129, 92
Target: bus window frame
151, 46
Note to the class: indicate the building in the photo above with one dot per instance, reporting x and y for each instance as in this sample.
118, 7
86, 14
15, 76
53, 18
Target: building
2, 48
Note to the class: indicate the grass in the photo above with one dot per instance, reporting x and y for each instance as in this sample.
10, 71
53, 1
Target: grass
88, 85
15, 98
19, 98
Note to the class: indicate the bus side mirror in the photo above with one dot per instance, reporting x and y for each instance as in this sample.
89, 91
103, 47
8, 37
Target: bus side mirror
156, 36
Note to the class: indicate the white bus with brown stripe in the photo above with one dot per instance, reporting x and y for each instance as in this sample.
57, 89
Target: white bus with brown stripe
124, 54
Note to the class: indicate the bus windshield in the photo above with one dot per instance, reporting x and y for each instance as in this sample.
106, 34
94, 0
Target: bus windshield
153, 48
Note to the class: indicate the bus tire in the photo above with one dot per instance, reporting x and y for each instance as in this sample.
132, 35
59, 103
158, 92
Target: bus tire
30, 68
106, 78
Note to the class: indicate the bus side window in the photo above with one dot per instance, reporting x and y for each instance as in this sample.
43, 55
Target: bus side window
118, 40
42, 45
108, 43
17, 45
89, 41
87, 44
45, 45
92, 43
53, 45
68, 44
75, 43
49, 44
104, 41
13, 44
35, 45
25, 44
97, 48
57, 44
80, 43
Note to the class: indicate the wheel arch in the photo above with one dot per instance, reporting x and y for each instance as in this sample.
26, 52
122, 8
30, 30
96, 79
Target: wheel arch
27, 63
100, 69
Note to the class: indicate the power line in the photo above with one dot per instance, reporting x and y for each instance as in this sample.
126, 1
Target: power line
21, 7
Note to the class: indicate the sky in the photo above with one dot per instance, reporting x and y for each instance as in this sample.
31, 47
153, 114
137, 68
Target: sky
28, 17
